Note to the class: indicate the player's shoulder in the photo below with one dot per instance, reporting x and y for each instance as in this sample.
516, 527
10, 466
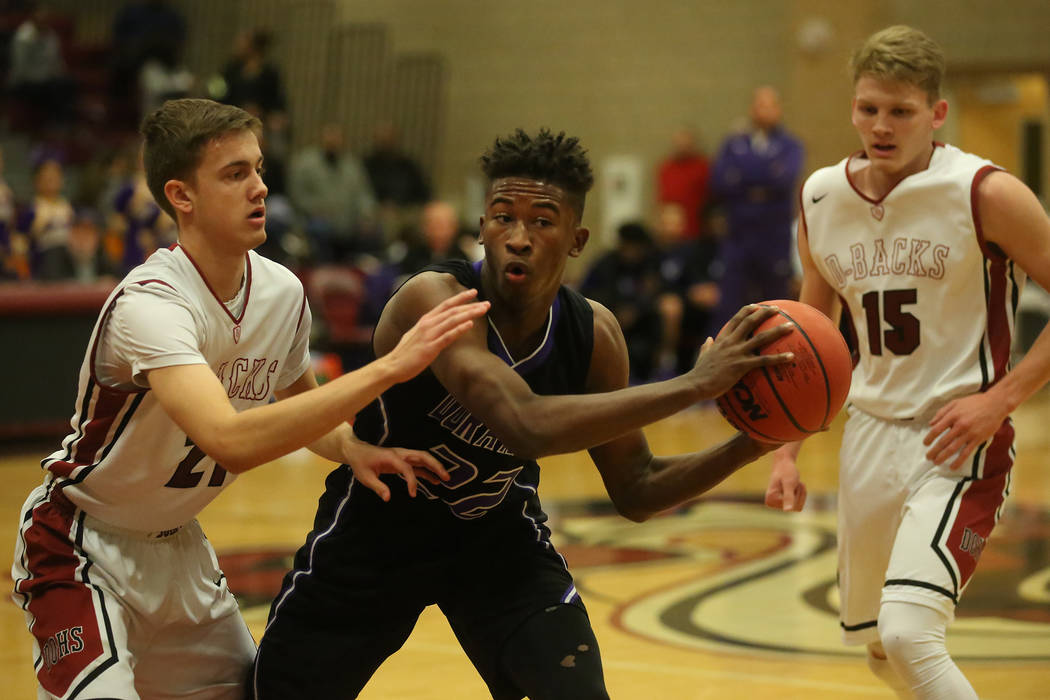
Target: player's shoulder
947, 155
274, 272
605, 323
161, 274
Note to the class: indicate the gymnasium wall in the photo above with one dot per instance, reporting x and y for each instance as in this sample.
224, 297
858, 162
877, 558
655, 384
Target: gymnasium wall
622, 74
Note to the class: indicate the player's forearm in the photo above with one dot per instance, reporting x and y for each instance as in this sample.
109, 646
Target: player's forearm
262, 434
334, 445
1031, 374
670, 481
547, 425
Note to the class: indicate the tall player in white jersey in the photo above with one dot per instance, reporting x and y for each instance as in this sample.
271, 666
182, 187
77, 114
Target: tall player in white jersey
928, 248
121, 590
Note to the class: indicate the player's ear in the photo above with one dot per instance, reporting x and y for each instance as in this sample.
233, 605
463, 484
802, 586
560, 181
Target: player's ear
580, 238
179, 196
940, 113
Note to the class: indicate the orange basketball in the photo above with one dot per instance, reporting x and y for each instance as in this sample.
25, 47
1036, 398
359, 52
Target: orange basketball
787, 402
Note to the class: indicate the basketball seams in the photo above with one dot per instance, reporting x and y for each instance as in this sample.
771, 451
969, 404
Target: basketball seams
823, 372
741, 423
782, 403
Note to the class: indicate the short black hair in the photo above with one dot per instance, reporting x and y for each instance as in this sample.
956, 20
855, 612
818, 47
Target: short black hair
554, 159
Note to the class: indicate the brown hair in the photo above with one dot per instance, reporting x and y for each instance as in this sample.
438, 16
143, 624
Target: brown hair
903, 54
175, 134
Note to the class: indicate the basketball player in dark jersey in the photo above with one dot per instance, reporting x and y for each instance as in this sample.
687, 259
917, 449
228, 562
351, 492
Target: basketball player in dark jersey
546, 374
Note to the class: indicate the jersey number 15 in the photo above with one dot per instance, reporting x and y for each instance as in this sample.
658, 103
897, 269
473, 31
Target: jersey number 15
903, 335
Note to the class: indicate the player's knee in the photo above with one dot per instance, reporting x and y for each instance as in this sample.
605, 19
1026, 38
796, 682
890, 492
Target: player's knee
909, 634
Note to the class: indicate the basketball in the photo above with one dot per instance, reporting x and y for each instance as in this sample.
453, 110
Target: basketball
787, 402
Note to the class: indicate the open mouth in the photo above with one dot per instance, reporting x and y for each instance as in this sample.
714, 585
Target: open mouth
516, 271
259, 213
883, 148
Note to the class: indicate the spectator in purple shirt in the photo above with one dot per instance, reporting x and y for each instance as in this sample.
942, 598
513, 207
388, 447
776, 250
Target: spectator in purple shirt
754, 179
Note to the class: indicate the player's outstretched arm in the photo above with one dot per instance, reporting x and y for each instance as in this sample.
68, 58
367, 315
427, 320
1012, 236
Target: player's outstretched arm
368, 461
1012, 219
641, 485
195, 399
532, 425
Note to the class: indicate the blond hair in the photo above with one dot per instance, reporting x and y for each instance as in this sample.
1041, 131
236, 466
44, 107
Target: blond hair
175, 135
902, 54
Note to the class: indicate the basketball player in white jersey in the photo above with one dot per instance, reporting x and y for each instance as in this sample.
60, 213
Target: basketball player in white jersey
122, 592
928, 247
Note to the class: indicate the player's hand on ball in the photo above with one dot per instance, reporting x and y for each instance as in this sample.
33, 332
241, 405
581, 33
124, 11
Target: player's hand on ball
725, 359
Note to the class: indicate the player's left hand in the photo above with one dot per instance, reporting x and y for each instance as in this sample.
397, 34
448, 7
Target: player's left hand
961, 425
369, 461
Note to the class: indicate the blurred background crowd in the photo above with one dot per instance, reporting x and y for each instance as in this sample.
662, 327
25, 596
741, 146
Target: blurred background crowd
353, 214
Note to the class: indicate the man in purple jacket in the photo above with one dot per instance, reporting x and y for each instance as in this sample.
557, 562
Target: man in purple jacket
754, 179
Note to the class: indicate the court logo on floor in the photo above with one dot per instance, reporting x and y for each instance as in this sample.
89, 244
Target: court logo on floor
735, 577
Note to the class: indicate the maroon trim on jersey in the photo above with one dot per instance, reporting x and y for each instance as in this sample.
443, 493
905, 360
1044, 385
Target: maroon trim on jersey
979, 505
107, 406
302, 310
996, 274
866, 198
853, 341
98, 336
990, 250
145, 282
247, 285
61, 600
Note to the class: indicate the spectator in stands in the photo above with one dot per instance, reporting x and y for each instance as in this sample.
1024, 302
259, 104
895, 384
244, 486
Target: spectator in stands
683, 179
396, 178
10, 267
688, 293
88, 259
47, 224
440, 236
755, 178
163, 76
250, 79
37, 74
398, 182
330, 189
137, 29
136, 225
626, 280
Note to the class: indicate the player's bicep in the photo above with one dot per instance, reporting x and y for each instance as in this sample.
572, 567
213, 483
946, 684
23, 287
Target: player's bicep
621, 462
306, 381
1011, 217
815, 289
610, 364
482, 382
195, 399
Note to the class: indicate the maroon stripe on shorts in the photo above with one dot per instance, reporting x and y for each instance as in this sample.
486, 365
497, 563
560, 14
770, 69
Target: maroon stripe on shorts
979, 507
62, 605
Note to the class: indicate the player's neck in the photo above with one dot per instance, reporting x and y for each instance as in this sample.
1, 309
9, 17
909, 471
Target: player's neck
521, 329
224, 272
877, 182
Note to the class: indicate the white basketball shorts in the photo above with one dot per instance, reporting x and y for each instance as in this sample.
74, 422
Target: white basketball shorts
125, 615
909, 530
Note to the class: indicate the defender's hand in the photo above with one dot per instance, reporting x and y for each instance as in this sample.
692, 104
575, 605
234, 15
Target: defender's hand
432, 333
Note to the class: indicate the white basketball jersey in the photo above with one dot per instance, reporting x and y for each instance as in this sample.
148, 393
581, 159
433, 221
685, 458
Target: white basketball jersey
931, 302
126, 462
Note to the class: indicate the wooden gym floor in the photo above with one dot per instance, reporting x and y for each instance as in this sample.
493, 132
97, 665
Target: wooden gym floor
719, 599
